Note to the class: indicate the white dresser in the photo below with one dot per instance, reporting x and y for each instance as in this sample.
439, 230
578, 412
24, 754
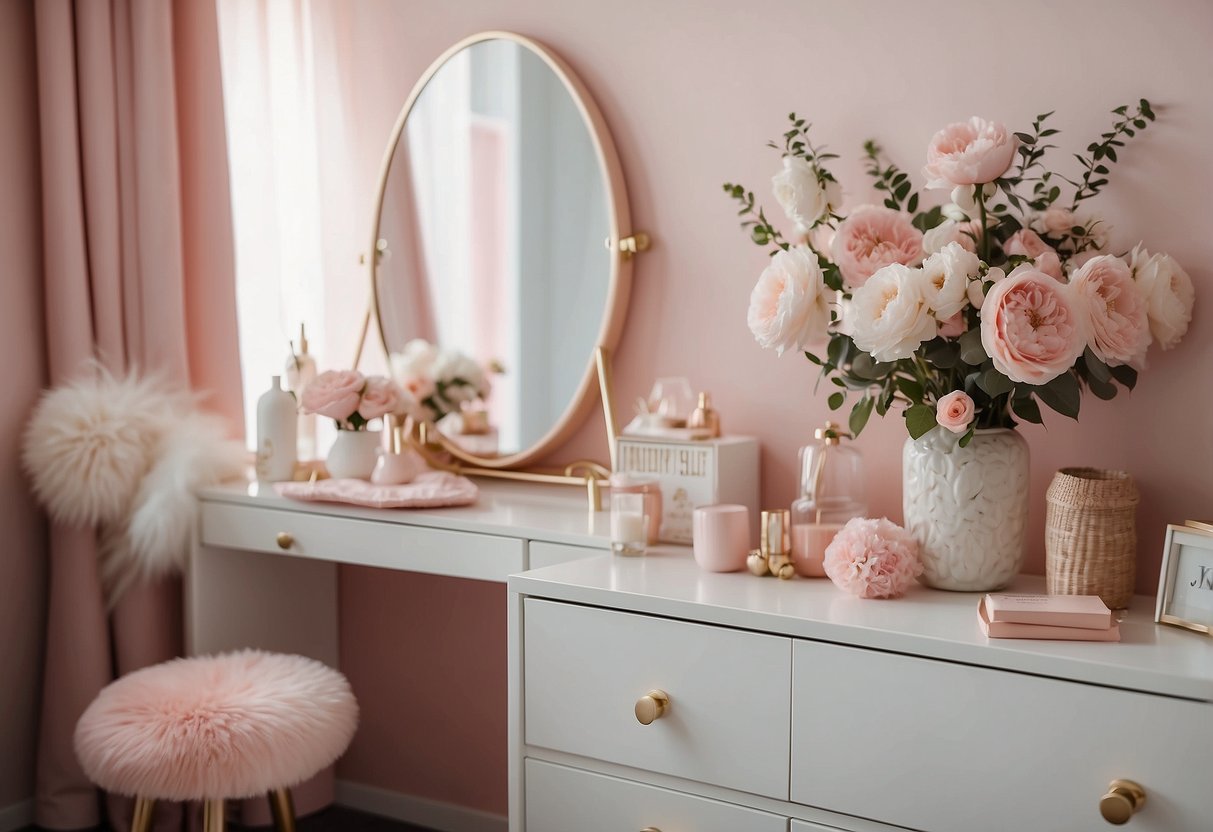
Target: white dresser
791, 706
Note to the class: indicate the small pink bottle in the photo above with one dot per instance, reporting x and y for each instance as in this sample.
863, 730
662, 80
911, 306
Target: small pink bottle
832, 492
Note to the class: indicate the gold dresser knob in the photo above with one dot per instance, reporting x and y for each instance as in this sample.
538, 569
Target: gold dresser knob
1124, 797
285, 540
651, 706
650, 829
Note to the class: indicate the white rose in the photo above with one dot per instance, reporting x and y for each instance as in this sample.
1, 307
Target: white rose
1169, 293
954, 212
801, 194
950, 231
946, 276
888, 316
964, 197
415, 361
790, 304
463, 376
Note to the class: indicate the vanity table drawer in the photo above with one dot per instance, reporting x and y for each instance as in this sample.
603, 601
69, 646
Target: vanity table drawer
562, 799
364, 542
727, 720
952, 747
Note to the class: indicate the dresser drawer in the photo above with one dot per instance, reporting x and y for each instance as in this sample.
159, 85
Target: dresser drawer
728, 715
543, 554
952, 748
366, 542
562, 799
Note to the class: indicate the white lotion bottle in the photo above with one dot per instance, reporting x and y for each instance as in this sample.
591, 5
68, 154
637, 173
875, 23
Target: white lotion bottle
276, 434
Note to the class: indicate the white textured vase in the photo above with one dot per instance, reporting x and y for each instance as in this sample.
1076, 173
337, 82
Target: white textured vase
353, 454
968, 507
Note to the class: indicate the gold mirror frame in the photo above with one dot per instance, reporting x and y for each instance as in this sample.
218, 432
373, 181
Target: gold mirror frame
622, 246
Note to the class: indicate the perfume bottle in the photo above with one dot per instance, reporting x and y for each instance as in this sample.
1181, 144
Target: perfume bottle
705, 417
399, 463
832, 492
276, 427
300, 372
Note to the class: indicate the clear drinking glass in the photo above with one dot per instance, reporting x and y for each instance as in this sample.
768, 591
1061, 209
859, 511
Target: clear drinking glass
629, 524
671, 398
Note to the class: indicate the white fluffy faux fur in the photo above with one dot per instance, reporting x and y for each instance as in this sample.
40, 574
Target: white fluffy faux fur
89, 443
126, 455
192, 453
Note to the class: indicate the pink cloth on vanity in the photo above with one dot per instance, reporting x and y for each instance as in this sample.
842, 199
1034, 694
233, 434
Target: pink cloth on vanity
431, 489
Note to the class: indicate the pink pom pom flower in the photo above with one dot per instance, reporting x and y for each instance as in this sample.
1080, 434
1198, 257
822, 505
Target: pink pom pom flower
873, 559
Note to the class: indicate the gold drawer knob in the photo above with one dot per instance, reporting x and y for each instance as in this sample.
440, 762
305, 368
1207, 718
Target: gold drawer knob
1124, 797
285, 540
650, 829
651, 706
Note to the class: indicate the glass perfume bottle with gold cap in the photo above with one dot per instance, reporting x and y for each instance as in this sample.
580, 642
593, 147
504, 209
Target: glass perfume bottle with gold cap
831, 493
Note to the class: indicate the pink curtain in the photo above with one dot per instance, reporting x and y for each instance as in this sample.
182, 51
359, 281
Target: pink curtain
139, 273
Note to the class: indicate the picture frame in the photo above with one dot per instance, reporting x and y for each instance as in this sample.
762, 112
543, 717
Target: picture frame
1185, 584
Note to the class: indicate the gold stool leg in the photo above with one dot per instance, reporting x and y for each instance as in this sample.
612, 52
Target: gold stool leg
212, 816
283, 810
141, 818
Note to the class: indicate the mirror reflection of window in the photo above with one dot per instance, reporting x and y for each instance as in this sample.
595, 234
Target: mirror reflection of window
495, 214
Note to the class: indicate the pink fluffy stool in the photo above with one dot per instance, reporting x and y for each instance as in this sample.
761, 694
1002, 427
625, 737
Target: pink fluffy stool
217, 728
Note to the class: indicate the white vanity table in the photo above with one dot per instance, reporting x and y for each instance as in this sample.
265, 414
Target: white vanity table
792, 706
264, 568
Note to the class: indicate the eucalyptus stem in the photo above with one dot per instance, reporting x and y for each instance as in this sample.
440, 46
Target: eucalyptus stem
985, 234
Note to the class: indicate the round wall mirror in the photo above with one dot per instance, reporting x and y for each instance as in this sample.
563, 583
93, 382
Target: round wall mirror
497, 238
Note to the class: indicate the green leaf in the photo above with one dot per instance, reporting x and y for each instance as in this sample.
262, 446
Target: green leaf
966, 439
995, 383
911, 389
971, 350
813, 358
836, 399
864, 366
1061, 394
943, 354
837, 351
1103, 389
860, 413
1125, 374
928, 219
1096, 369
919, 419
1027, 409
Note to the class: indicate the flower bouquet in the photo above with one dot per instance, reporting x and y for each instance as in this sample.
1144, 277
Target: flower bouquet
353, 401
967, 315
442, 381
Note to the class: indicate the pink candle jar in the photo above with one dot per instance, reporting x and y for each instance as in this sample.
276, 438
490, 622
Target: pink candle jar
651, 489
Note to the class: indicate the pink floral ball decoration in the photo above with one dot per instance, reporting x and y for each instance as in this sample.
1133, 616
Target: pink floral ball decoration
873, 559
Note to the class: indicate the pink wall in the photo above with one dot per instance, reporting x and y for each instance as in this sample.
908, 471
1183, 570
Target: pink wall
692, 92
22, 574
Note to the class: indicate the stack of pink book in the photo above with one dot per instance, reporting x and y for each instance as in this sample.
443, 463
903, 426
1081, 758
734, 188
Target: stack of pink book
1067, 617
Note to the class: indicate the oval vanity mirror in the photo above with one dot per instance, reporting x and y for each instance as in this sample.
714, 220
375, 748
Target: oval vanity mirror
499, 233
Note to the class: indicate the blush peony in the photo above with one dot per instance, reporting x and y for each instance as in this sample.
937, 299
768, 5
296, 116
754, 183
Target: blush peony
1118, 330
888, 316
1168, 292
334, 393
968, 153
1029, 327
789, 307
955, 411
873, 559
804, 198
1026, 243
871, 238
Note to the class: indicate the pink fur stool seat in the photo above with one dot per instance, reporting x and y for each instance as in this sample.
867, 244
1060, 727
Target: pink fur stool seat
213, 727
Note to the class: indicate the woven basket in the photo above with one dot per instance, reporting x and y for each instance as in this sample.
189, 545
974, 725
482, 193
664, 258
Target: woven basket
1091, 535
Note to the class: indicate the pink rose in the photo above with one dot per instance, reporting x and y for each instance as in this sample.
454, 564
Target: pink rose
968, 153
871, 238
1029, 327
1026, 243
873, 559
955, 411
1118, 329
380, 397
1050, 264
1057, 222
1169, 295
334, 393
954, 326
